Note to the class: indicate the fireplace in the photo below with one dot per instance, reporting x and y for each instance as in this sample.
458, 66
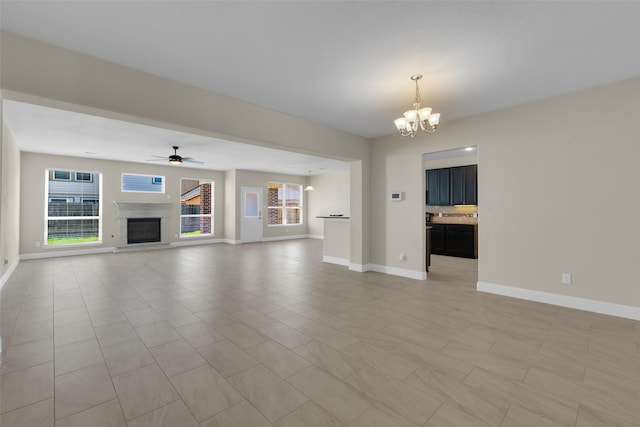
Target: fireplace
143, 230
143, 225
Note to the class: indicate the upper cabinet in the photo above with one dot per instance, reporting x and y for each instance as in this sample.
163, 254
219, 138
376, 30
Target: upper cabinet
452, 186
438, 186
464, 185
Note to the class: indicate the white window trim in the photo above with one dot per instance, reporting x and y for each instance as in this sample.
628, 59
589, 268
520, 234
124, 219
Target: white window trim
195, 236
284, 207
45, 238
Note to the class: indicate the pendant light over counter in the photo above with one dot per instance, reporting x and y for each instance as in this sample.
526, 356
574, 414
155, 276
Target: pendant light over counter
309, 187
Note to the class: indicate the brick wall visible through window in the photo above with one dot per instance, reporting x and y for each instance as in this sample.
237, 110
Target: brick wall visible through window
196, 207
284, 204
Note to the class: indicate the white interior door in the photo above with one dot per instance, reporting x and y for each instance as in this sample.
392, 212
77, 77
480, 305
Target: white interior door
251, 223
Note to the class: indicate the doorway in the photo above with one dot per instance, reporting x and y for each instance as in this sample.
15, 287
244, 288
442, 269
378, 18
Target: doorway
451, 211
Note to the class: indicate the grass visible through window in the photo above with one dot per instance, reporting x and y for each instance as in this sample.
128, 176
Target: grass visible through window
70, 240
190, 233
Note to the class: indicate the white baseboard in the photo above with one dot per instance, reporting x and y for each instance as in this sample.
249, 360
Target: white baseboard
277, 238
196, 242
55, 254
360, 268
602, 307
231, 241
315, 236
335, 260
7, 274
402, 272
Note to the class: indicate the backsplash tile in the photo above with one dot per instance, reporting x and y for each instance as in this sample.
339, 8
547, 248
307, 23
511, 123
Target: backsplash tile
453, 214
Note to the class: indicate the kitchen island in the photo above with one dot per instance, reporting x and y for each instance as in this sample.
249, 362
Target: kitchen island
335, 246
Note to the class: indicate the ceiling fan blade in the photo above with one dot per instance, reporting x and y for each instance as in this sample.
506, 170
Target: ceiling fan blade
159, 159
191, 160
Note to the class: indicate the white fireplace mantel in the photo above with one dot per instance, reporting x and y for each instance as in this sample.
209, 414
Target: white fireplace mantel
143, 210
128, 210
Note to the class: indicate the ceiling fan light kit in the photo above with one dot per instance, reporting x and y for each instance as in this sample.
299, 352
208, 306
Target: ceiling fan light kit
422, 118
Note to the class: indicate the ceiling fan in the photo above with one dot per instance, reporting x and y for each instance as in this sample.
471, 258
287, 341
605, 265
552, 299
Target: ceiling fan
175, 158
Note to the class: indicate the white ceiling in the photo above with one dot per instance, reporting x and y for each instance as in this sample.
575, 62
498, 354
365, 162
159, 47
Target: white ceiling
347, 64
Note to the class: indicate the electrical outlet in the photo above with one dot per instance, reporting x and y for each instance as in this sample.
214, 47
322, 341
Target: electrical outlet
566, 278
403, 257
37, 244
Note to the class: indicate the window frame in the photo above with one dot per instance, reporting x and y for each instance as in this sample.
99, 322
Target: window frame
48, 218
200, 215
152, 180
54, 178
75, 175
284, 206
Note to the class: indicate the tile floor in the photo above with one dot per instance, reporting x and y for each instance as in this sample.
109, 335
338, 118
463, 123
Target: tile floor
267, 335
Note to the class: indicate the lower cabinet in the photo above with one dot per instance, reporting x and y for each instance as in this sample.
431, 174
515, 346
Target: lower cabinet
454, 240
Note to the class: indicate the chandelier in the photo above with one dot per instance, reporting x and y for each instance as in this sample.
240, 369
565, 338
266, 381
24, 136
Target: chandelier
428, 122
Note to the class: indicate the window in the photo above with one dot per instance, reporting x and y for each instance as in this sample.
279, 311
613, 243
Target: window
62, 175
73, 211
84, 176
196, 207
284, 204
60, 199
142, 183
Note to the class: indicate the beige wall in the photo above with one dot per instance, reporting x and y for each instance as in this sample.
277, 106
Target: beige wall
10, 196
32, 201
39, 73
330, 196
547, 173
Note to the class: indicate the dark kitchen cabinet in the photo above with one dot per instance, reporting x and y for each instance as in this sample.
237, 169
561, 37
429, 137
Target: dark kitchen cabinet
437, 238
464, 185
460, 241
452, 186
438, 182
454, 240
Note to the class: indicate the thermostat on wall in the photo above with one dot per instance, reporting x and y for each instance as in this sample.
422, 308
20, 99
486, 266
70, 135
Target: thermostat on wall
396, 196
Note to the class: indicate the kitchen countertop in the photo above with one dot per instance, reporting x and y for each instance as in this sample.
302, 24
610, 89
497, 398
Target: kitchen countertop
450, 223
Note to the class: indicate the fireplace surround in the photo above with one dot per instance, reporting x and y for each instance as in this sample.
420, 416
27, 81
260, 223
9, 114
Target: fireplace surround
136, 211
